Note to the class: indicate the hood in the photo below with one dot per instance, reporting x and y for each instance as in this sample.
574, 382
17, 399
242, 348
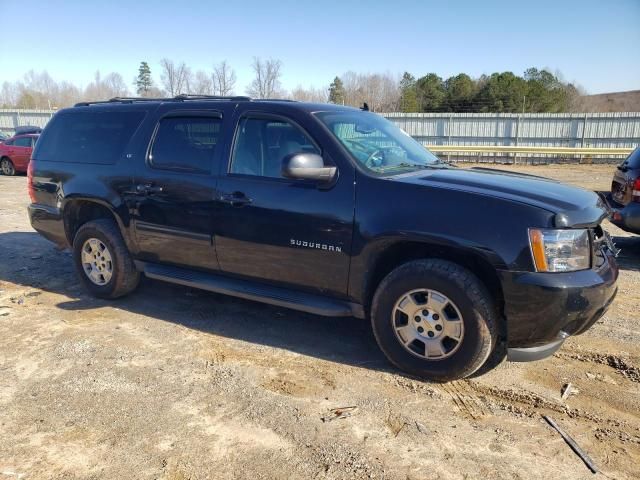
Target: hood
572, 206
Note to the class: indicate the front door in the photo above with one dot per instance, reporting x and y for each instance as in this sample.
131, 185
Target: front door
294, 232
175, 189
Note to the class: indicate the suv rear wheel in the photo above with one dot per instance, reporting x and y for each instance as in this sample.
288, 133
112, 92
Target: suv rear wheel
434, 319
103, 261
6, 167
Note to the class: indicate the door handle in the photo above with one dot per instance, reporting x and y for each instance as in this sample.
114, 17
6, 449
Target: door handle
235, 199
148, 189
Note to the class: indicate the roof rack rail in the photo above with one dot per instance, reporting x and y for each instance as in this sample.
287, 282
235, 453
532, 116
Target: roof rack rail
274, 100
122, 100
178, 98
135, 99
190, 96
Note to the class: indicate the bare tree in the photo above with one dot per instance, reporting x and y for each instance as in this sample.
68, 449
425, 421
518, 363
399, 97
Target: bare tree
96, 90
311, 94
379, 90
201, 84
224, 79
175, 78
9, 94
68, 94
266, 83
110, 86
39, 90
114, 84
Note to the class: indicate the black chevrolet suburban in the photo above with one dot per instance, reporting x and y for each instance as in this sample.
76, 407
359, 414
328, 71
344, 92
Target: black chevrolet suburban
329, 210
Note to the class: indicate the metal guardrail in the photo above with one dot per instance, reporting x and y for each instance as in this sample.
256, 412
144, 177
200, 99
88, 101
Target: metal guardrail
524, 149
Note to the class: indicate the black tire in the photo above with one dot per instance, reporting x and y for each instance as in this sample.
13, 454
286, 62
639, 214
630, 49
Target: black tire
7, 167
125, 277
475, 304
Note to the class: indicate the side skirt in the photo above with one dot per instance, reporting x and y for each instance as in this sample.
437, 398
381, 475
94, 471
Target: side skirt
259, 292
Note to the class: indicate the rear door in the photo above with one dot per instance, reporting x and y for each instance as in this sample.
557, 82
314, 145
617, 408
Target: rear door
22, 152
175, 188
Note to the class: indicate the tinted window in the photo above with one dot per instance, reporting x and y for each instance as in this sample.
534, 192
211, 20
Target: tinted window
261, 145
23, 142
87, 137
186, 143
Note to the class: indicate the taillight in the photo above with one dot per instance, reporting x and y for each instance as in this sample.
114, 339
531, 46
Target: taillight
30, 189
635, 191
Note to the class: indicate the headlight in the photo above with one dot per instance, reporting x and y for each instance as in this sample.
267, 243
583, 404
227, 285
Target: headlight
560, 250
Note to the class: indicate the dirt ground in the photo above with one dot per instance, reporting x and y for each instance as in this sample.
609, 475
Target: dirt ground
174, 383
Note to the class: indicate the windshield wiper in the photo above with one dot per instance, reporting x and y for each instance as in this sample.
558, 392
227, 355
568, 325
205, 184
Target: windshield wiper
419, 166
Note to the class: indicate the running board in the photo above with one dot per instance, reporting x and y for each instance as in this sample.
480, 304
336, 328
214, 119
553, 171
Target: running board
259, 292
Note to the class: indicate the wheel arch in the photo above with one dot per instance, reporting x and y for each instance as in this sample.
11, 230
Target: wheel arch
400, 252
76, 211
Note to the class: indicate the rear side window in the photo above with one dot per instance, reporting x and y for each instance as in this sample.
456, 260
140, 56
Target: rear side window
186, 144
23, 142
87, 137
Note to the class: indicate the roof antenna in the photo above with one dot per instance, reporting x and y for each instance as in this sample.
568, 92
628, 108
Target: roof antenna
365, 107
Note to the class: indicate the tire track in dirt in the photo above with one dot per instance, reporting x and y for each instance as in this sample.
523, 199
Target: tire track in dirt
529, 404
463, 396
620, 365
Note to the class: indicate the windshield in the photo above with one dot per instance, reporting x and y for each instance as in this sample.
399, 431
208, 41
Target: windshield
378, 144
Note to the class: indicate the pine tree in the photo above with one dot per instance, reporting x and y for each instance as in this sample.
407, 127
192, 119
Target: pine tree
408, 94
144, 82
431, 94
336, 92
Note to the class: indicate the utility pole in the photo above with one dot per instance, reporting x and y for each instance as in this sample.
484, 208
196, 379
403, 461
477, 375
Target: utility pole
524, 99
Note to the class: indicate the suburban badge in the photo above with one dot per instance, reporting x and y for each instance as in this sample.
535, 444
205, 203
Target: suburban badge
318, 246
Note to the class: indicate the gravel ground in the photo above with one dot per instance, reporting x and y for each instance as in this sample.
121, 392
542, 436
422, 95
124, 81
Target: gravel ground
174, 383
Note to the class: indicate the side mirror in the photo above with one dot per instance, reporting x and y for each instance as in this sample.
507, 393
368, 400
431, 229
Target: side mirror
307, 166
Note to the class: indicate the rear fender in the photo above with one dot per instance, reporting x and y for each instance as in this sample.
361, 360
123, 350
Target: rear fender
71, 204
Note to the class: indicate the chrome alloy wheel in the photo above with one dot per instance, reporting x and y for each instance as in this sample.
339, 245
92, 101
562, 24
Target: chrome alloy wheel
96, 261
428, 324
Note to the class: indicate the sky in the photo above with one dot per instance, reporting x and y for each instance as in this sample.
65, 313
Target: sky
595, 44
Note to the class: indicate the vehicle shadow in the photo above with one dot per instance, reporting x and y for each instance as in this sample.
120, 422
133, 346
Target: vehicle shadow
29, 260
629, 256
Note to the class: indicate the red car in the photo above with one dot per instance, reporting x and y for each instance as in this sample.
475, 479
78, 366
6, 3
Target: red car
15, 153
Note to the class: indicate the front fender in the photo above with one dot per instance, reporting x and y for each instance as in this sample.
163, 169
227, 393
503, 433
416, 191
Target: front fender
411, 245
458, 223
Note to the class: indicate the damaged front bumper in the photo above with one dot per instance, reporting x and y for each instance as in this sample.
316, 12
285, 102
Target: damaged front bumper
543, 309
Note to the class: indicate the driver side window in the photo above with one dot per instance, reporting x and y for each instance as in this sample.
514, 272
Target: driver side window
261, 144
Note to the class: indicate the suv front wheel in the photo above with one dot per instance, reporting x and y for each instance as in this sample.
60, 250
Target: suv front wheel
103, 261
434, 319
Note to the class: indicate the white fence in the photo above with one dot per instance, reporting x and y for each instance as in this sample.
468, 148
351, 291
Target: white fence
576, 130
10, 119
